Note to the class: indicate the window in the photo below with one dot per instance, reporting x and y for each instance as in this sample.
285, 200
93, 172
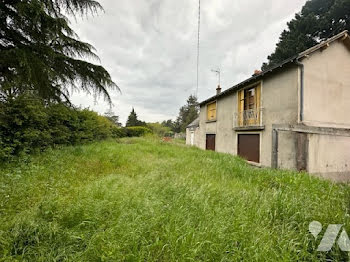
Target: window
211, 111
249, 99
249, 106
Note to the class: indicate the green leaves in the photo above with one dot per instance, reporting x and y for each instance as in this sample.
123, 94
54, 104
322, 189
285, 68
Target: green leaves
133, 120
41, 54
28, 124
318, 20
188, 113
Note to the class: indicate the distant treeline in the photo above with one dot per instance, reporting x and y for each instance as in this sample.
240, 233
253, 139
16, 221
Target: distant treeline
28, 124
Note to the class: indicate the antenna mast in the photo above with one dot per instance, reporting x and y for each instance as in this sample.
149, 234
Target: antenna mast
198, 38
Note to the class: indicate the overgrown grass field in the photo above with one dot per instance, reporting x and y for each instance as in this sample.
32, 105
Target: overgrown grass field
143, 199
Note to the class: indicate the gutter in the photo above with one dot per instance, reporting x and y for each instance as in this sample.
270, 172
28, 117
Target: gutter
301, 66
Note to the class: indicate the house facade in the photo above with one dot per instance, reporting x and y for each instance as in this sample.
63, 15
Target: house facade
192, 133
294, 116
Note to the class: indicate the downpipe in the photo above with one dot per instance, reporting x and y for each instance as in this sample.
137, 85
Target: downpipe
274, 156
301, 67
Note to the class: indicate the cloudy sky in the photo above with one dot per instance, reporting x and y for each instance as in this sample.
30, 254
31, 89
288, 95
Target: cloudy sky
149, 48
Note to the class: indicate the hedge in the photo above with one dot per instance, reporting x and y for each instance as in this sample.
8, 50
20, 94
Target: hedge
132, 131
137, 131
29, 125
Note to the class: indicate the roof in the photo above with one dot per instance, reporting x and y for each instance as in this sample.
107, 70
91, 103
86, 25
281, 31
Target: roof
195, 123
343, 35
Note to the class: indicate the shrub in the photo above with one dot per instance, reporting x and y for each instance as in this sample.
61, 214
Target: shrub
64, 124
93, 126
137, 131
159, 129
118, 132
23, 126
169, 134
28, 125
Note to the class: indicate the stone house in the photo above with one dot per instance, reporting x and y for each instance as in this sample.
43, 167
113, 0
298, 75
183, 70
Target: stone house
293, 116
192, 133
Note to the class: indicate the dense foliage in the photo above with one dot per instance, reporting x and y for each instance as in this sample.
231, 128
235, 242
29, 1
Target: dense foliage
41, 54
318, 20
41, 60
28, 124
137, 131
187, 114
133, 120
172, 125
160, 129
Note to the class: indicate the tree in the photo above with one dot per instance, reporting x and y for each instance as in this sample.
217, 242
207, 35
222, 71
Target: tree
188, 113
170, 124
159, 129
110, 115
40, 53
318, 20
133, 120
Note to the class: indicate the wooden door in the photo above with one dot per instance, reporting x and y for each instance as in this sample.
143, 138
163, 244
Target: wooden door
210, 144
249, 147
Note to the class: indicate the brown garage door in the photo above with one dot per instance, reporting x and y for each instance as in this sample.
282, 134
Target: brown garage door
210, 144
249, 147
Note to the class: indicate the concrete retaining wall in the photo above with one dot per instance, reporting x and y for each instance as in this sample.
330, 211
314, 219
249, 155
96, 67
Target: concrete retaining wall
329, 156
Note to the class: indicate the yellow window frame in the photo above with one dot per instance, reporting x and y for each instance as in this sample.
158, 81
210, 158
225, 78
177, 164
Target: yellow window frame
241, 100
211, 111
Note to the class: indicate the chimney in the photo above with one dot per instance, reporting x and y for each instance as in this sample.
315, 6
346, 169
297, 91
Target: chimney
218, 90
257, 72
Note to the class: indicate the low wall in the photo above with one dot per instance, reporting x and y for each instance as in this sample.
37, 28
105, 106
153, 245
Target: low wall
322, 151
329, 156
180, 135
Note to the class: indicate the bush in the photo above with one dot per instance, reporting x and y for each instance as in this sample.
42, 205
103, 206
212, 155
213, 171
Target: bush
64, 125
169, 134
93, 126
159, 129
118, 132
28, 125
133, 131
137, 131
24, 126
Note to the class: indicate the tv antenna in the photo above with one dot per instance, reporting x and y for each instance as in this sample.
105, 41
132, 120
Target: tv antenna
218, 72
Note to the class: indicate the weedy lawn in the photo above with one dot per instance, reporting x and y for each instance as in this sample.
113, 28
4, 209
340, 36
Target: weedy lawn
146, 200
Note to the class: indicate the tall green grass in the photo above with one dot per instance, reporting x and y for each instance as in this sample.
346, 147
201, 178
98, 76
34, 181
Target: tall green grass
142, 199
